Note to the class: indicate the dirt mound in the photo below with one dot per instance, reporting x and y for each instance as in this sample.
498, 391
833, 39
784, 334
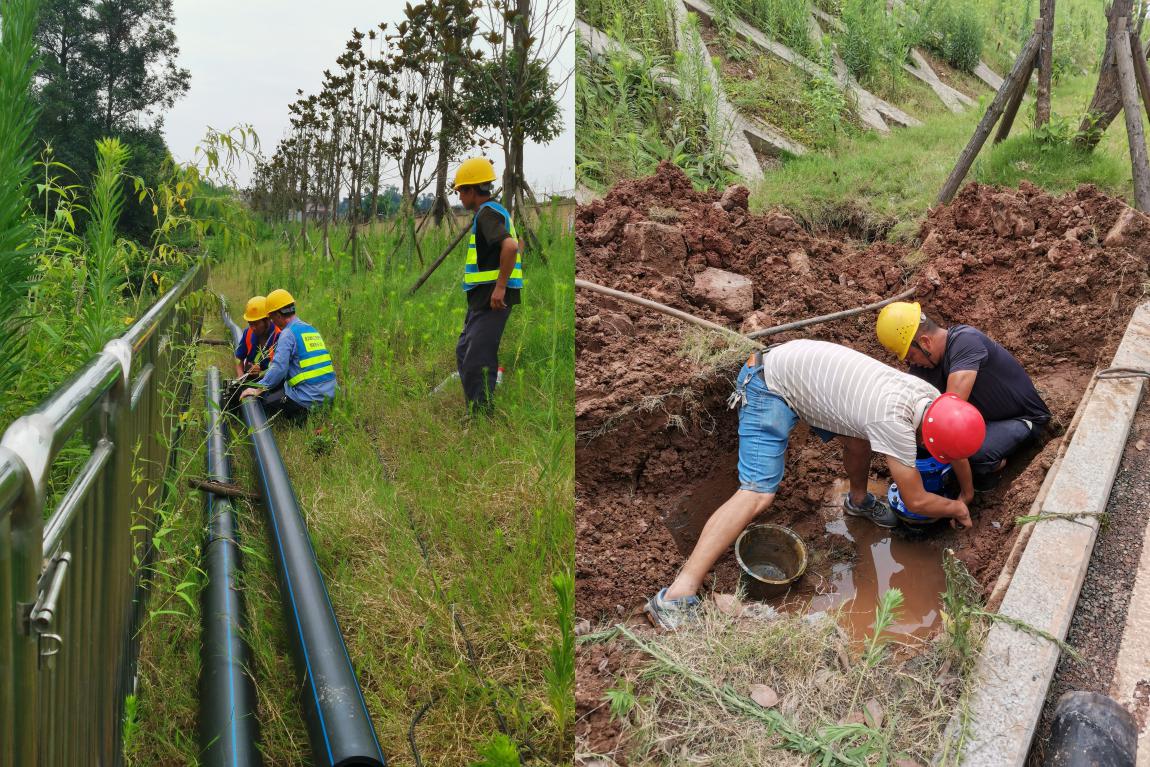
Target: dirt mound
1030, 269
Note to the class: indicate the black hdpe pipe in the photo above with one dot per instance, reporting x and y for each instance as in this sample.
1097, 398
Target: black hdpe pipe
228, 726
339, 727
1091, 730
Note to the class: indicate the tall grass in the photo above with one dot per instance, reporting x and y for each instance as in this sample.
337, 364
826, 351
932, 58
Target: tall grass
873, 42
472, 631
628, 118
18, 65
104, 269
784, 20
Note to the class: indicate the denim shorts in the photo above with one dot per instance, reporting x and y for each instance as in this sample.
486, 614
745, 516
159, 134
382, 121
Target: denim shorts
765, 425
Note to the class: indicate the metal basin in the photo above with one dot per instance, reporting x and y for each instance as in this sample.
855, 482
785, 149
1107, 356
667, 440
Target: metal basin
771, 559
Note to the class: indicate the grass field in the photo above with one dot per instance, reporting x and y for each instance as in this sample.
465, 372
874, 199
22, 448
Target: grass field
885, 184
880, 183
390, 467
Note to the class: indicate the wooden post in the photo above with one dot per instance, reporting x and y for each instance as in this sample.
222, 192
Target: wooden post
442, 257
1141, 70
1106, 102
1024, 62
1016, 96
1045, 64
1140, 166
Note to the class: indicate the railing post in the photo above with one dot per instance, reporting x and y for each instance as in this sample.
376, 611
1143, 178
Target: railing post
118, 547
27, 554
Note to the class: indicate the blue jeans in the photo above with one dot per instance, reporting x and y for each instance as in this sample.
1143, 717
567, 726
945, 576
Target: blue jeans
765, 425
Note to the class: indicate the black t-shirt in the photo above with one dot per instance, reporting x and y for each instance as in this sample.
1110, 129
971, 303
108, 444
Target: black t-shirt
1002, 390
490, 232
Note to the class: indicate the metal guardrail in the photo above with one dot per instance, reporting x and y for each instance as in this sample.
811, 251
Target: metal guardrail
70, 581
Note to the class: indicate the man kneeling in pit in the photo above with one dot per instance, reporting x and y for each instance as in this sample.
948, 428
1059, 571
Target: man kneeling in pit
840, 393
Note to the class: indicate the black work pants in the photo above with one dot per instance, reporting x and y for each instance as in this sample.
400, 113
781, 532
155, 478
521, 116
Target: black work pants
1002, 439
477, 356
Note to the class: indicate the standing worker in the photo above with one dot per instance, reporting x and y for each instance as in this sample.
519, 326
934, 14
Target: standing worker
258, 342
301, 375
964, 361
839, 392
492, 279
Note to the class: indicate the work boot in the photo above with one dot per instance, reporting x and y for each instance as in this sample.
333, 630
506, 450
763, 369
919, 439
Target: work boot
873, 509
670, 614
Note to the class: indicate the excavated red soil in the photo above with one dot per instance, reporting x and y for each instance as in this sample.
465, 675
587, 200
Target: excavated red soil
1051, 278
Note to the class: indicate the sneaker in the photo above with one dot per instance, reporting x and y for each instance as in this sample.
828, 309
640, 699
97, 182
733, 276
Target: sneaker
873, 509
670, 614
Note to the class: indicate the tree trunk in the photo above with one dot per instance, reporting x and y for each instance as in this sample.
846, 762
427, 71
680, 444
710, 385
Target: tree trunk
1045, 64
521, 42
446, 130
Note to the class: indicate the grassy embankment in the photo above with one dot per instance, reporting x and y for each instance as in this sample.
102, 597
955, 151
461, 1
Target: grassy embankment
875, 184
491, 500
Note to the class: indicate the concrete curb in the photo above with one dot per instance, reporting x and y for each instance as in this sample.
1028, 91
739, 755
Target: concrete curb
1015, 669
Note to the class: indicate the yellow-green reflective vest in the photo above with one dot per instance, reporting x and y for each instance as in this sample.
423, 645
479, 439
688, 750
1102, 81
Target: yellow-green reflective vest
314, 359
472, 273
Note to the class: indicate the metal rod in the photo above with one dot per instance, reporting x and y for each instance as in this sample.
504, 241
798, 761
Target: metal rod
749, 337
833, 316
339, 727
228, 726
663, 308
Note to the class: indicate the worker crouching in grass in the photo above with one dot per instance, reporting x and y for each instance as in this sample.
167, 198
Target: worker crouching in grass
301, 376
963, 361
492, 280
840, 393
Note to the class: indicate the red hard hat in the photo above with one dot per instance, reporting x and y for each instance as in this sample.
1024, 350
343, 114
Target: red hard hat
952, 429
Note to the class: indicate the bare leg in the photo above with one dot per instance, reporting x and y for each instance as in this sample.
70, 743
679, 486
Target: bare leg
856, 461
718, 534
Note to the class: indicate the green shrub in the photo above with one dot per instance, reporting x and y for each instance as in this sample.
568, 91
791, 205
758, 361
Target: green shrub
784, 20
873, 43
962, 38
951, 29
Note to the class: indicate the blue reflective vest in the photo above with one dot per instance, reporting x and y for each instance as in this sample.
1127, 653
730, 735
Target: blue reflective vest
314, 359
473, 274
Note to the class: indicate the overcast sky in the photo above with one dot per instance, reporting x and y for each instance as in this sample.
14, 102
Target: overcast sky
247, 59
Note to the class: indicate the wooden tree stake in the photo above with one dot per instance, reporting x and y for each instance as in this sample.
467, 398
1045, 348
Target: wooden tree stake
1141, 71
1045, 64
1024, 63
1140, 166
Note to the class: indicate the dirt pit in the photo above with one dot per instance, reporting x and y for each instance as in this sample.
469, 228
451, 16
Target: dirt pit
1054, 279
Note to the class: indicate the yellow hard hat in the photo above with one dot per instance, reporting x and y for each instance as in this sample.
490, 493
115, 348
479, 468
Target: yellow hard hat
255, 310
278, 299
476, 170
896, 326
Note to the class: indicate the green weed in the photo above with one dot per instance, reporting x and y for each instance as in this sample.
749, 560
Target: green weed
560, 674
493, 501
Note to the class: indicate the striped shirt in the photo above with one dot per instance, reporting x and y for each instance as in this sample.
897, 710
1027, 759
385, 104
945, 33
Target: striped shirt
846, 392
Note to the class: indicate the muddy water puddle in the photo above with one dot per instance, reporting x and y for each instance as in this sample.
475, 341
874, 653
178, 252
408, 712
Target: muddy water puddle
871, 560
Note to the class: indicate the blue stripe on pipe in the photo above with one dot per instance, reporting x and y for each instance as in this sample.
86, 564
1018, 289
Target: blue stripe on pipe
295, 614
231, 662
362, 701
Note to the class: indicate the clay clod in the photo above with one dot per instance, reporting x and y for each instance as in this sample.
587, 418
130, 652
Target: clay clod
661, 246
727, 292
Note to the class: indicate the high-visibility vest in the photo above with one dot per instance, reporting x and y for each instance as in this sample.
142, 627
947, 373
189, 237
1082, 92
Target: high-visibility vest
472, 274
311, 352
